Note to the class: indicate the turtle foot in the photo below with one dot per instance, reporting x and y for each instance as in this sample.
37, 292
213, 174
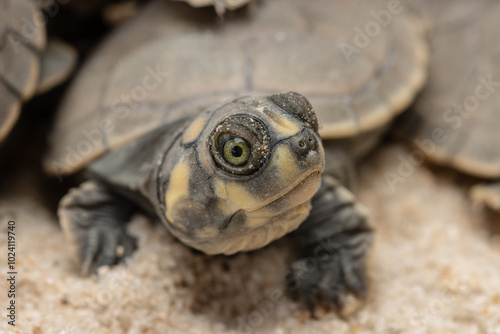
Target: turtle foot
94, 222
331, 277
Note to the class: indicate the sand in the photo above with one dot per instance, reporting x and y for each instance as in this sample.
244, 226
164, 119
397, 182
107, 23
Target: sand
435, 269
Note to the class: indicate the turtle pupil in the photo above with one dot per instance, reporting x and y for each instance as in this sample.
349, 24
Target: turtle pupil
236, 151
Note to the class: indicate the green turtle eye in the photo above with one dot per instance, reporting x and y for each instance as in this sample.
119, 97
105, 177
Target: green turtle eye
235, 151
240, 145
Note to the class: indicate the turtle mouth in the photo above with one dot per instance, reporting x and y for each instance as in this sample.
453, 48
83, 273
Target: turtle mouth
299, 193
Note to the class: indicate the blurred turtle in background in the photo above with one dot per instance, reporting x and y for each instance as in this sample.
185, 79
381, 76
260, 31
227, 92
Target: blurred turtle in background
29, 64
455, 121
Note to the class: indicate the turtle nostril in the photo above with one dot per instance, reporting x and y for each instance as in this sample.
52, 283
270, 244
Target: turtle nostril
304, 142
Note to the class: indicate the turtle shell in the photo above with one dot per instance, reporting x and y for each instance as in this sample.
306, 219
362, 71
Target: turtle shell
360, 63
22, 41
455, 120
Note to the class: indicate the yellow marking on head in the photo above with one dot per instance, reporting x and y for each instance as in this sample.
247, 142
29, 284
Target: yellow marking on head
304, 208
178, 187
255, 222
194, 129
208, 232
284, 126
220, 188
241, 197
285, 161
223, 207
264, 212
226, 204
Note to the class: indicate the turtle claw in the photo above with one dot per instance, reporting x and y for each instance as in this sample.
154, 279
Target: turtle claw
105, 246
90, 250
126, 247
328, 280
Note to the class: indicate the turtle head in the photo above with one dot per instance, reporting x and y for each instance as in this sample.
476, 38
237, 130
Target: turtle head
244, 173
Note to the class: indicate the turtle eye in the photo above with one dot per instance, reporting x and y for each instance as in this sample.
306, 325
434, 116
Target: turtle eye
235, 150
240, 145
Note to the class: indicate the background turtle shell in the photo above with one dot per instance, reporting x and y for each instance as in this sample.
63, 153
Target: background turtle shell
22, 41
172, 61
456, 119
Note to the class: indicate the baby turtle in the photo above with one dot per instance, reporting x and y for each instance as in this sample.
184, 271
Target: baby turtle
28, 65
455, 120
183, 117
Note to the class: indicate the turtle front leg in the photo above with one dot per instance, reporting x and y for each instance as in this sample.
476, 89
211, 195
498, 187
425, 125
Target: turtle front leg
94, 221
334, 241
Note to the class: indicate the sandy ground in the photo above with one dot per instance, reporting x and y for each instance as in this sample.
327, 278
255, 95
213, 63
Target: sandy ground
436, 269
